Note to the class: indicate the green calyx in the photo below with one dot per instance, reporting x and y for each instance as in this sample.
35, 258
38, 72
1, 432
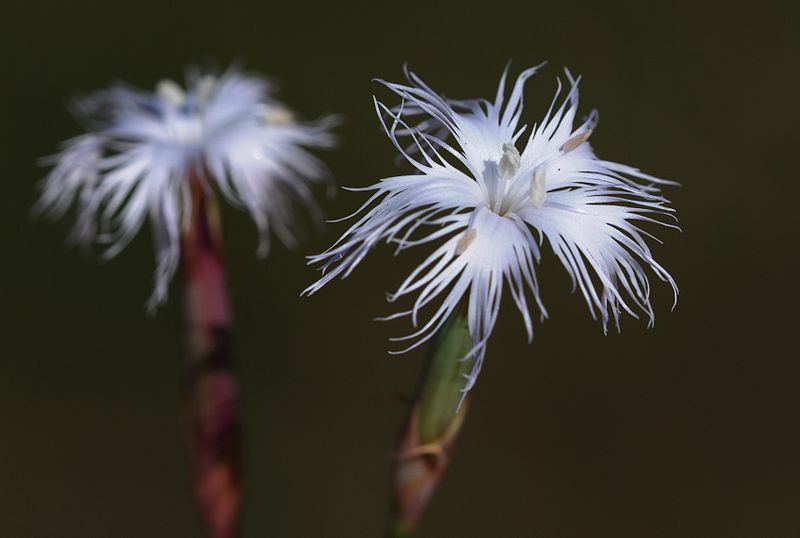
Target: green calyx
441, 385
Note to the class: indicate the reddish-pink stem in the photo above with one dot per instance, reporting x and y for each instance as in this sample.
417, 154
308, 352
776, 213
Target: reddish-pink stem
213, 429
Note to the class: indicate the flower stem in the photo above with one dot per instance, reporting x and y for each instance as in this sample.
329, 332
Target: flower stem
213, 430
428, 436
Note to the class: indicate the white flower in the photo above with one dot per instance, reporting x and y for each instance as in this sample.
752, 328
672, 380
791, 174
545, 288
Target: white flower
142, 149
490, 198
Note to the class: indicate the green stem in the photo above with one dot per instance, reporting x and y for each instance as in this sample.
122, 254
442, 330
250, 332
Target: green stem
432, 426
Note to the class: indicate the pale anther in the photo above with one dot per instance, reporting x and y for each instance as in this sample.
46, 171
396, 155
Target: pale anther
509, 162
538, 187
205, 86
576, 141
465, 241
278, 116
171, 92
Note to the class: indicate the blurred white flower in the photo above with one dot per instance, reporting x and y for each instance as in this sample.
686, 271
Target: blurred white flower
490, 197
143, 149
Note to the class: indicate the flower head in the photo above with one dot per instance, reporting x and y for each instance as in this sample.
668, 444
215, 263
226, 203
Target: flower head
142, 149
488, 192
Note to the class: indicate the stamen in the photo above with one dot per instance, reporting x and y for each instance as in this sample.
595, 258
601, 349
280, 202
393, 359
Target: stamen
204, 88
171, 92
538, 187
509, 162
278, 116
576, 141
465, 241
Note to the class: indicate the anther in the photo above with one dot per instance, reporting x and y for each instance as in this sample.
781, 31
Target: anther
204, 88
576, 141
278, 116
465, 241
171, 92
538, 187
509, 162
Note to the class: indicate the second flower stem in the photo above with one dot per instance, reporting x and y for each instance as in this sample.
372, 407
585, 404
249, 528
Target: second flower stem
213, 428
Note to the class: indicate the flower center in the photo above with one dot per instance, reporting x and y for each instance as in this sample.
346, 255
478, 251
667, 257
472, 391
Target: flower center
502, 182
509, 192
183, 111
187, 130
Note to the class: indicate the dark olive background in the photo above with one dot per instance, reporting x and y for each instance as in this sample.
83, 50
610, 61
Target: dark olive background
685, 430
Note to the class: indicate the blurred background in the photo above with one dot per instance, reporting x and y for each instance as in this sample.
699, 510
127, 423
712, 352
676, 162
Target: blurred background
688, 429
